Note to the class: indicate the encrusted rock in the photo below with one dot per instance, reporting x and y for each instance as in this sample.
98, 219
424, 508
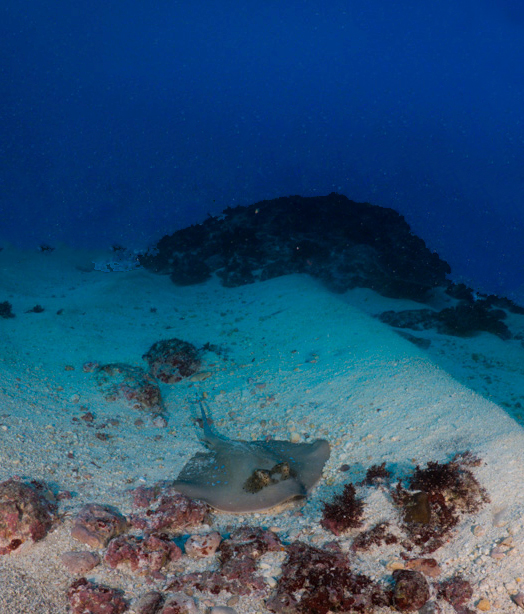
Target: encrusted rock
456, 591
200, 546
321, 581
131, 384
411, 590
171, 360
96, 524
179, 603
89, 598
27, 511
238, 564
145, 555
149, 603
80, 561
169, 511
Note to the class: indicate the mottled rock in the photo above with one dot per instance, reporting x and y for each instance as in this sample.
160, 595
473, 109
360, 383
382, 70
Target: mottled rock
89, 598
27, 512
80, 561
168, 510
130, 384
222, 609
200, 546
321, 581
150, 603
179, 603
143, 555
455, 590
96, 524
171, 360
238, 557
411, 590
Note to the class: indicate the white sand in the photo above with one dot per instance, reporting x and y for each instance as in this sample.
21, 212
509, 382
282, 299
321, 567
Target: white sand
293, 355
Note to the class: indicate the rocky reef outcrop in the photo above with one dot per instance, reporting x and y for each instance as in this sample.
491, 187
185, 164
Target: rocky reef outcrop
341, 242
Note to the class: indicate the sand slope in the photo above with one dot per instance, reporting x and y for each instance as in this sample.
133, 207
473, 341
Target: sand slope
290, 358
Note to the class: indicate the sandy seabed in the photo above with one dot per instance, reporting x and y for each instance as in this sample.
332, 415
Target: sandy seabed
291, 359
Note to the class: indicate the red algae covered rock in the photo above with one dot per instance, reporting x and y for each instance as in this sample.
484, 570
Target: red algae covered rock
88, 598
411, 590
456, 591
238, 564
321, 581
131, 384
96, 524
172, 359
168, 510
374, 536
437, 497
343, 513
27, 511
144, 555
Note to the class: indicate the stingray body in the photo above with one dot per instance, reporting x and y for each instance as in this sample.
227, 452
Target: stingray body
251, 476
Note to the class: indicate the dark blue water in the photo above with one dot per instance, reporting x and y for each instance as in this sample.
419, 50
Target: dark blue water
121, 122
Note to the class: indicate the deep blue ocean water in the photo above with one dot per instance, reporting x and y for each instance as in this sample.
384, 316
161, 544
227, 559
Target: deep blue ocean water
121, 122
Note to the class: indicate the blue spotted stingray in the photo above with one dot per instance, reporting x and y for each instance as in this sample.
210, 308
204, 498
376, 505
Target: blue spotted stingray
251, 476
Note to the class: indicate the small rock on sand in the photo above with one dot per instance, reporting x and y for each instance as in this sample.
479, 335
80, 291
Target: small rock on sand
80, 562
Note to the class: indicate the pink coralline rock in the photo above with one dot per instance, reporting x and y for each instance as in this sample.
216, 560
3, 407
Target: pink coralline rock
96, 524
88, 598
170, 511
27, 511
179, 603
201, 546
147, 555
80, 562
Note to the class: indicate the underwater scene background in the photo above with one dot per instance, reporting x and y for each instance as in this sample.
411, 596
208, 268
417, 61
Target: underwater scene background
123, 122
261, 307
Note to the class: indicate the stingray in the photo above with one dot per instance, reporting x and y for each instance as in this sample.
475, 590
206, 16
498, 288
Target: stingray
251, 476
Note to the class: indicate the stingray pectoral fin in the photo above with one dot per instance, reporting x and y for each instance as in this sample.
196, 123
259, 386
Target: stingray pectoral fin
306, 460
311, 471
238, 501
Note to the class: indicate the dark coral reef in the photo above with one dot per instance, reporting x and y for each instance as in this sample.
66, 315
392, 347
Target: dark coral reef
344, 243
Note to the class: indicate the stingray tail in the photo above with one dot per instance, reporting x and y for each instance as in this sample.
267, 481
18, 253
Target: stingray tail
209, 432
